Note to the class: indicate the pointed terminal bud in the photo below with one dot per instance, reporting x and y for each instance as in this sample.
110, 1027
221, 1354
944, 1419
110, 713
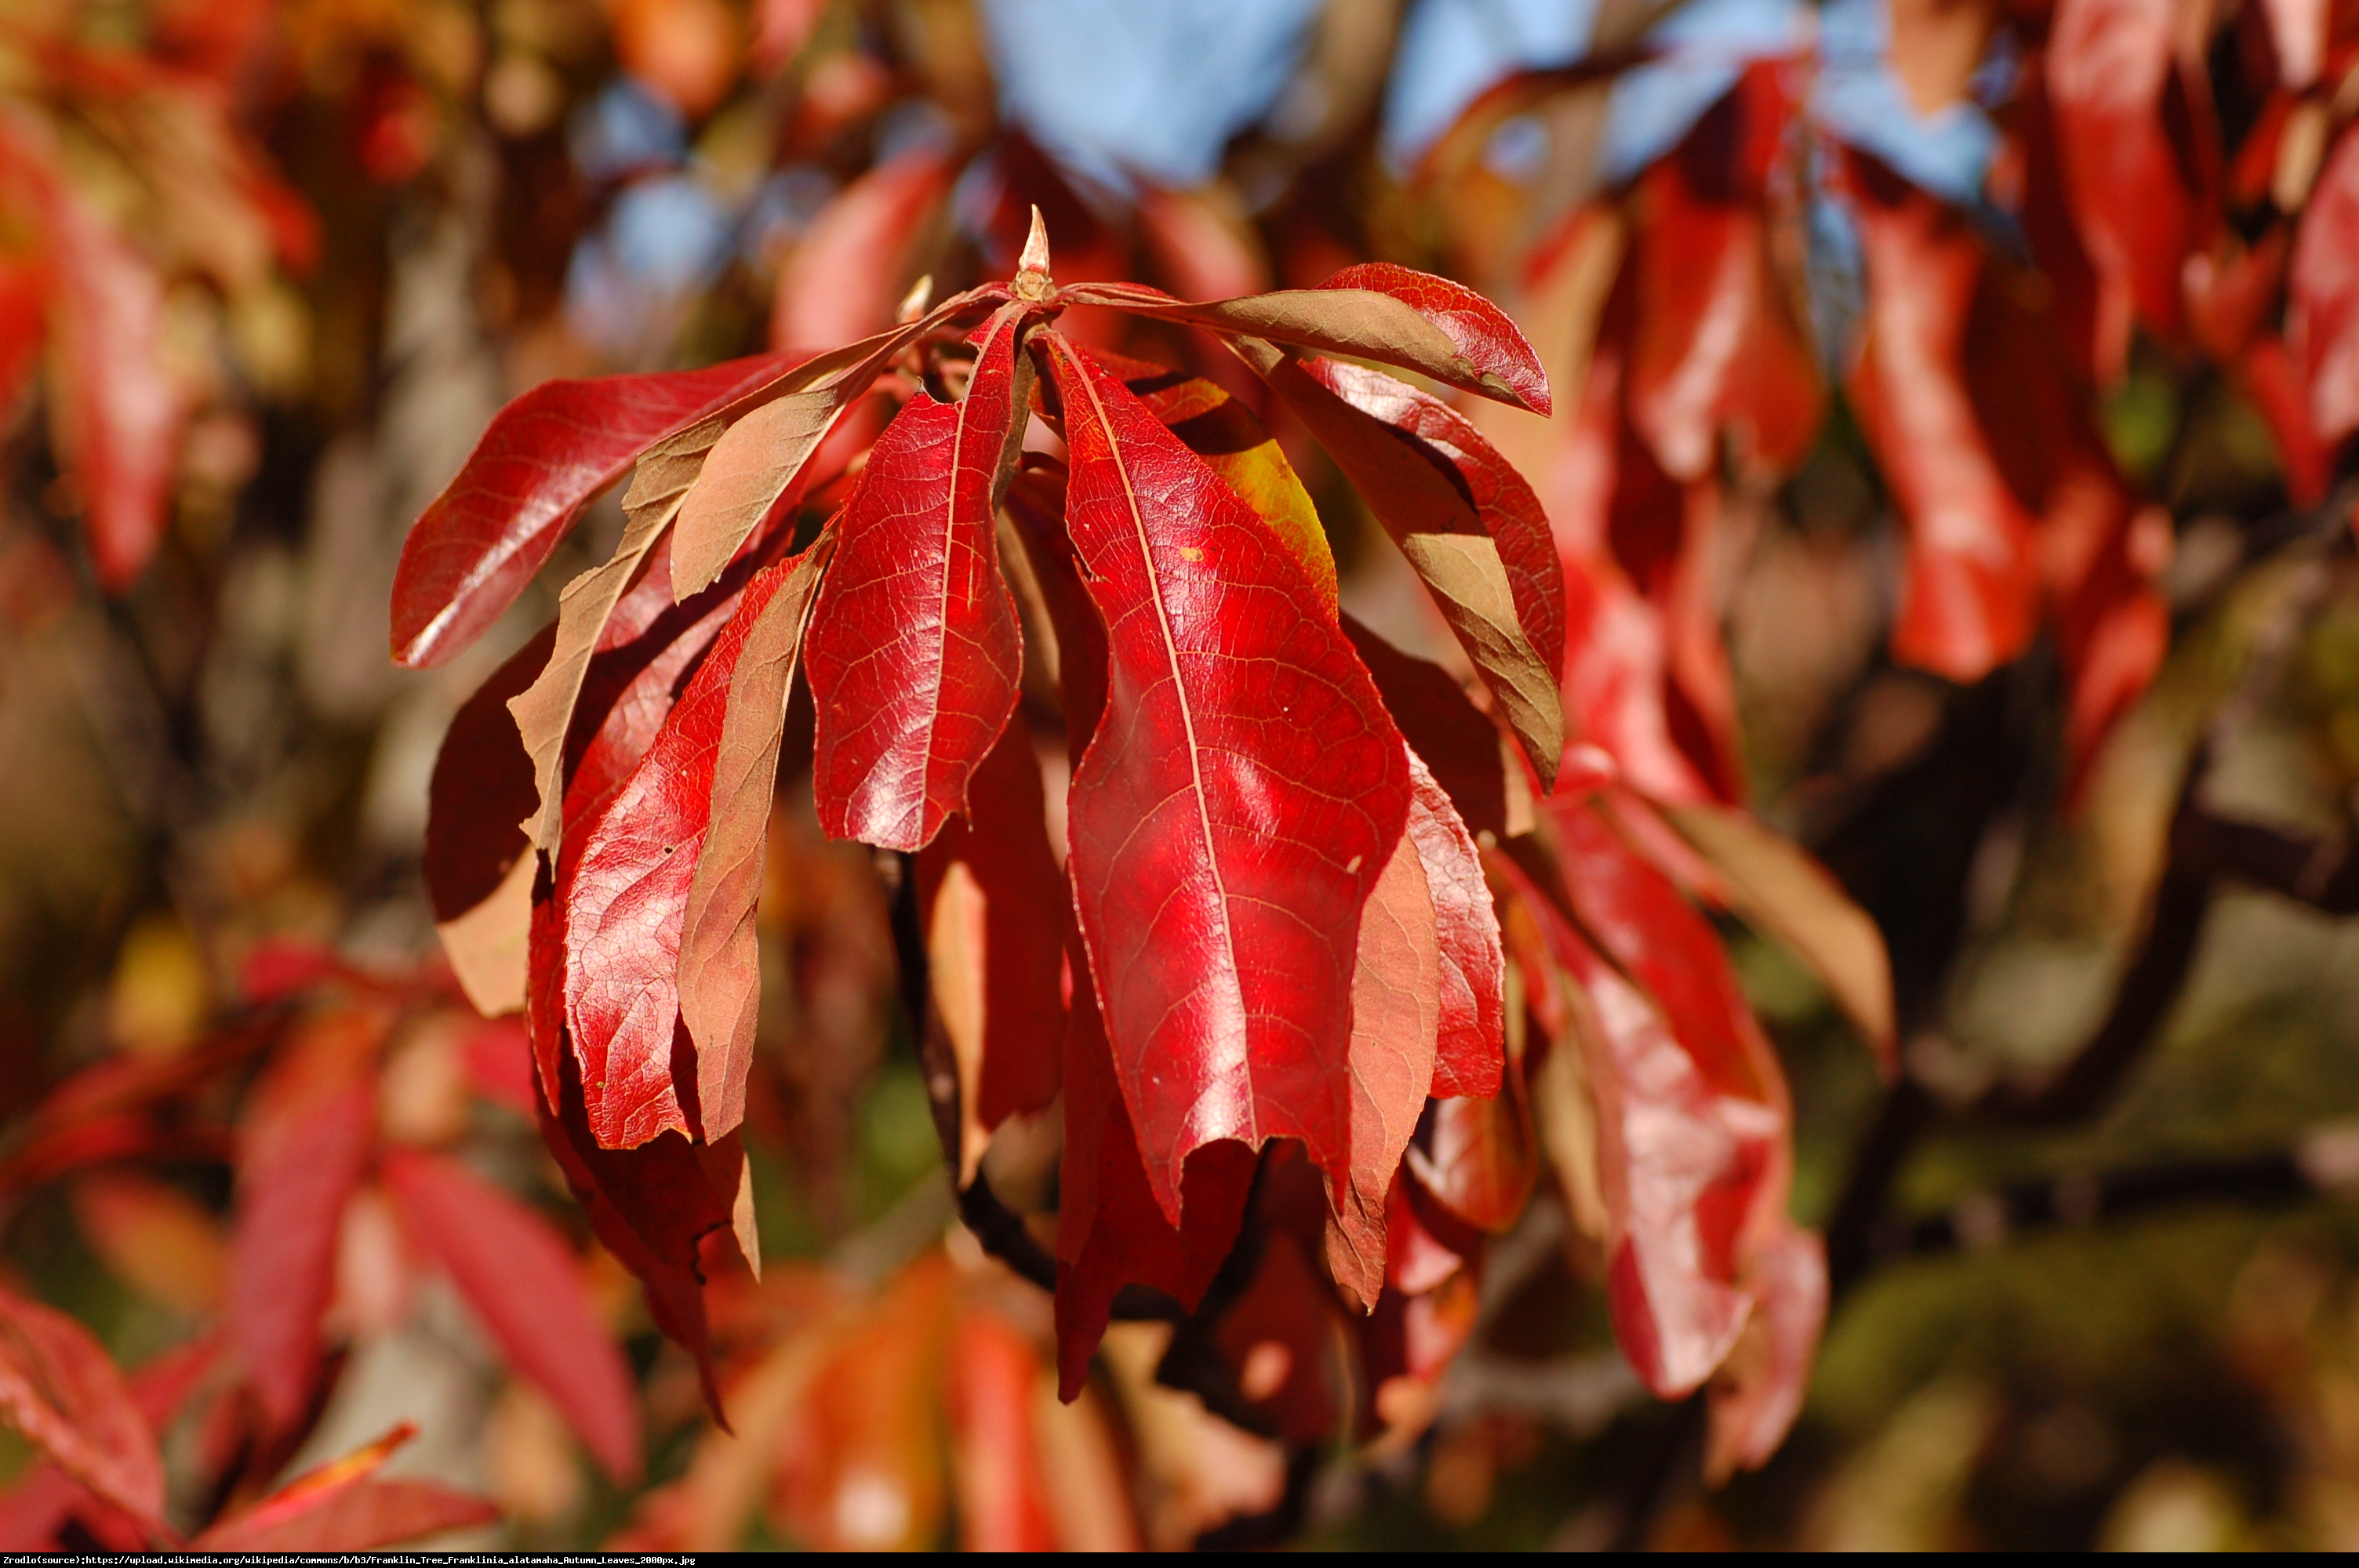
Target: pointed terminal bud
1032, 267
913, 304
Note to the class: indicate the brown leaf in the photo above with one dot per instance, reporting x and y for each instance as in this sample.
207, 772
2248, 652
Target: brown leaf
1775, 886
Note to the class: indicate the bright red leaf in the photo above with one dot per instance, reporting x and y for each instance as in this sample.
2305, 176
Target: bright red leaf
1240, 797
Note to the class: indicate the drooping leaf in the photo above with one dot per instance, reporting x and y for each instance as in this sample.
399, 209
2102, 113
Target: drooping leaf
1242, 795
1412, 483
1397, 978
1476, 1158
1716, 347
652, 1205
1471, 1032
1376, 310
994, 909
1777, 886
2109, 64
719, 970
1036, 505
1969, 595
1503, 502
120, 411
60, 1390
914, 652
756, 466
341, 1507
1678, 1174
843, 279
302, 1144
541, 461
1757, 1393
625, 893
2322, 307
525, 1284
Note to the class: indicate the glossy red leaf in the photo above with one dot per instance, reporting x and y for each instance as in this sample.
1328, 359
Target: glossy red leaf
1242, 795
994, 908
1396, 981
303, 1144
525, 1284
1376, 310
1217, 427
1111, 1227
541, 461
2323, 307
120, 410
60, 1390
1757, 1393
2109, 64
994, 1380
844, 278
1969, 595
339, 1507
914, 652
1502, 499
626, 892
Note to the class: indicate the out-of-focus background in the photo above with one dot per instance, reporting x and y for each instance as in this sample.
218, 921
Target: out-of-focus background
266, 269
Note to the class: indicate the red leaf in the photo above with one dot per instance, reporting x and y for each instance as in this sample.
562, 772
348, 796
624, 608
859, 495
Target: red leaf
1112, 1228
851, 269
1242, 795
1471, 1049
2322, 308
1036, 502
993, 1386
1971, 593
1373, 311
2109, 67
541, 461
1425, 499
302, 1145
61, 1392
523, 1281
497, 1056
120, 411
1714, 347
1756, 1395
994, 909
1397, 978
915, 651
1645, 679
1484, 336
625, 892
338, 1507
1476, 1158
1278, 1341
1503, 501
1677, 1172
651, 1206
